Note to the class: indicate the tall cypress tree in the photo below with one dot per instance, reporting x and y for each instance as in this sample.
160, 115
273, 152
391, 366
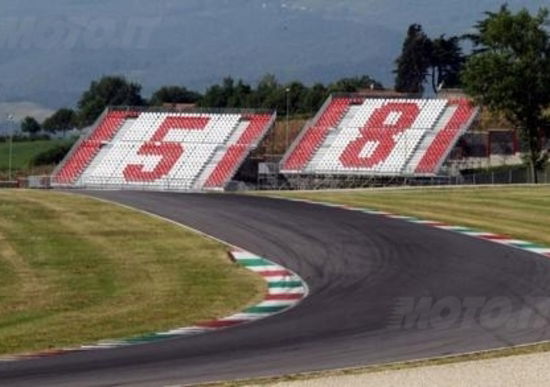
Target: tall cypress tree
414, 61
447, 62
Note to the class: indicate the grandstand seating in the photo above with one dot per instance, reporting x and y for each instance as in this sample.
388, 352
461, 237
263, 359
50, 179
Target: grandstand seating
446, 138
236, 153
86, 150
163, 150
316, 134
375, 136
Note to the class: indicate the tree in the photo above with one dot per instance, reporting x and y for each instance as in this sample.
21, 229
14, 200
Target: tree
414, 61
229, 95
441, 59
265, 92
108, 91
510, 73
268, 84
217, 96
30, 126
354, 84
446, 62
239, 96
173, 94
315, 97
52, 155
270, 94
61, 121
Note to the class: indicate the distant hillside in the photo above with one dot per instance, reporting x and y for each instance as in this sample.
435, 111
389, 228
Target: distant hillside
51, 50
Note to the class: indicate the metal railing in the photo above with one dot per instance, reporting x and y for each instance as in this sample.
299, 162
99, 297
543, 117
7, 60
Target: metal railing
314, 182
188, 109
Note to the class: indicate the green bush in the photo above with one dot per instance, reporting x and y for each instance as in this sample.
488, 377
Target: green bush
52, 156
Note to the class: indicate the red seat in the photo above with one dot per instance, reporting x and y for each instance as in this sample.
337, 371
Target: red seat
235, 155
75, 165
316, 134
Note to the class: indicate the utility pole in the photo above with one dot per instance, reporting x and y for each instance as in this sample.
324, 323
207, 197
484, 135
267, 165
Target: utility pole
10, 121
287, 90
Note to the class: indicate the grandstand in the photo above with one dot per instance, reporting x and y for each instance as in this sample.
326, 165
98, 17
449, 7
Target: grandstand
352, 136
178, 150
364, 136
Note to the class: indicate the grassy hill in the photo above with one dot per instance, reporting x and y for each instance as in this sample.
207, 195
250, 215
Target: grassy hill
22, 154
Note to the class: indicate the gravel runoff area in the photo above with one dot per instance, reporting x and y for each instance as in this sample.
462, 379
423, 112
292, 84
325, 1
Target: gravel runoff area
521, 370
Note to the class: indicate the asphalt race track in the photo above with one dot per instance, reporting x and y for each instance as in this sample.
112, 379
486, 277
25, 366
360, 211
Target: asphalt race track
358, 268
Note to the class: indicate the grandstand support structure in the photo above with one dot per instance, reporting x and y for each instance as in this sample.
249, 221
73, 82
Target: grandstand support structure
163, 149
237, 153
379, 137
473, 116
462, 119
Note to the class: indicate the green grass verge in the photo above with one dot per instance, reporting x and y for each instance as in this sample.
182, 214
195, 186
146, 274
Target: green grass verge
76, 270
519, 211
23, 152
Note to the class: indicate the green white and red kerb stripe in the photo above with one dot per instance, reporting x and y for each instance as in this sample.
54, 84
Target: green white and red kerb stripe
285, 289
502, 239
